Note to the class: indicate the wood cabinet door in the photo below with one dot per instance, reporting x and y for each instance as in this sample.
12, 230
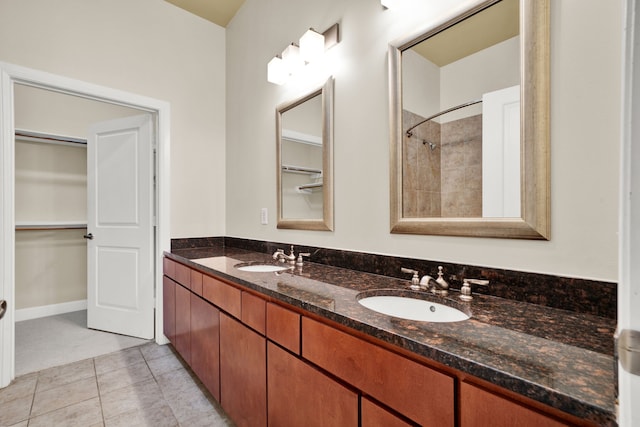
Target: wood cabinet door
373, 415
479, 408
243, 373
300, 395
169, 309
183, 323
205, 344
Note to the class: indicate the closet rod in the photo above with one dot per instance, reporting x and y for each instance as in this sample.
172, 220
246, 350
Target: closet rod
300, 169
28, 135
50, 226
448, 110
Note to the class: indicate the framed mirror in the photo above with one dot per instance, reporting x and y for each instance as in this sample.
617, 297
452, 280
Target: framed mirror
304, 139
469, 105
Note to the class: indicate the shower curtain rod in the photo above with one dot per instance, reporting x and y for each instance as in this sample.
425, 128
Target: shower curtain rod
457, 107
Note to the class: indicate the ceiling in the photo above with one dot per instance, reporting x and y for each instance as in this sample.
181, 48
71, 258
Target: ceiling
217, 11
484, 29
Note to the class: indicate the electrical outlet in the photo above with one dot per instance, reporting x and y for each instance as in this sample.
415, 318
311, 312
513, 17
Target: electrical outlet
264, 216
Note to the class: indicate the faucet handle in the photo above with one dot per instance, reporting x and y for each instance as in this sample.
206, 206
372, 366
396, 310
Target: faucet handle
465, 291
299, 262
415, 280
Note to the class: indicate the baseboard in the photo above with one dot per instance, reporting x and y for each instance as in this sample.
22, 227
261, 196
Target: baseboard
49, 310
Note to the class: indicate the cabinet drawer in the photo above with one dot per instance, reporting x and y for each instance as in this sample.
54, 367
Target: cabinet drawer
283, 327
169, 268
224, 296
414, 390
481, 408
183, 275
254, 312
196, 282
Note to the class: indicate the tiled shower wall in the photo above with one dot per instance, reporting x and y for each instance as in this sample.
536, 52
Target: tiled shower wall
461, 167
445, 181
421, 170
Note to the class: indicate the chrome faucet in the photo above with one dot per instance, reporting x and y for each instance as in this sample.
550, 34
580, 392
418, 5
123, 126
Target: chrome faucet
280, 256
438, 286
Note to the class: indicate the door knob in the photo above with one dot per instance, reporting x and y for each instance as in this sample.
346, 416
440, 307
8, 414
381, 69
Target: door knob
88, 236
3, 308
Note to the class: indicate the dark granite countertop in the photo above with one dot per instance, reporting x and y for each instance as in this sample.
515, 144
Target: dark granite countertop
557, 357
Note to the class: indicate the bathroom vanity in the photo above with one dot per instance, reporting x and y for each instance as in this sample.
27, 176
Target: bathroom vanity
294, 347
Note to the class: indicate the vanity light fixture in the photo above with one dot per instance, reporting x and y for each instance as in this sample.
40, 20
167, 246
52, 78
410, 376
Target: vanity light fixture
310, 48
311, 45
276, 71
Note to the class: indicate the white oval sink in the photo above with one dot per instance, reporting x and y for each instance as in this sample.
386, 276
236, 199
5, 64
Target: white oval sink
261, 268
413, 309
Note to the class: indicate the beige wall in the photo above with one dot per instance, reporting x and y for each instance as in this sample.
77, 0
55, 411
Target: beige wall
147, 47
585, 121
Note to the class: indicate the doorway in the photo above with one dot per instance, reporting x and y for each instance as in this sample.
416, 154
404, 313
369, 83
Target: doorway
11, 76
51, 212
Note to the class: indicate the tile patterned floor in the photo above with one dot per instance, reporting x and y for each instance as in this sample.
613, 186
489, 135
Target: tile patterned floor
147, 385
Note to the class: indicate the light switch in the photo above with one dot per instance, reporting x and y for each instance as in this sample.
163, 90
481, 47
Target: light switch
264, 216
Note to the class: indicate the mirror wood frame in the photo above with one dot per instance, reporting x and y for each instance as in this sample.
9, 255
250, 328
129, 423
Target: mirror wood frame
326, 222
535, 182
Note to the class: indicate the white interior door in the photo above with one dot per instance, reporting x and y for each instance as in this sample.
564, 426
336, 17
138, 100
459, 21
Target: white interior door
501, 153
629, 271
120, 293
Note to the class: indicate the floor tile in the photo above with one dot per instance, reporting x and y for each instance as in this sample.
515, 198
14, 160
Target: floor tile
217, 418
82, 414
123, 377
153, 351
15, 410
117, 360
165, 364
20, 387
158, 415
178, 381
66, 374
138, 396
192, 405
68, 394
145, 386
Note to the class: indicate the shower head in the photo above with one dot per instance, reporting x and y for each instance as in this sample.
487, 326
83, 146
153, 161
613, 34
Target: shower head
432, 145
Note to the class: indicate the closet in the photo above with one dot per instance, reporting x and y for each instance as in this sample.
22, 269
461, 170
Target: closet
50, 213
51, 198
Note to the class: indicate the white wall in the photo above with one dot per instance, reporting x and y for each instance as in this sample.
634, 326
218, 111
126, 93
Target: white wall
467, 79
585, 116
420, 84
147, 47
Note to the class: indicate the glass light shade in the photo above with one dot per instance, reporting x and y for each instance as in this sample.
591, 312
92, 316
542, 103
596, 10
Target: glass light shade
293, 62
276, 71
311, 46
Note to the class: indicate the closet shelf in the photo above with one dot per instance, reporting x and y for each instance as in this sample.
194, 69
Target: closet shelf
50, 225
